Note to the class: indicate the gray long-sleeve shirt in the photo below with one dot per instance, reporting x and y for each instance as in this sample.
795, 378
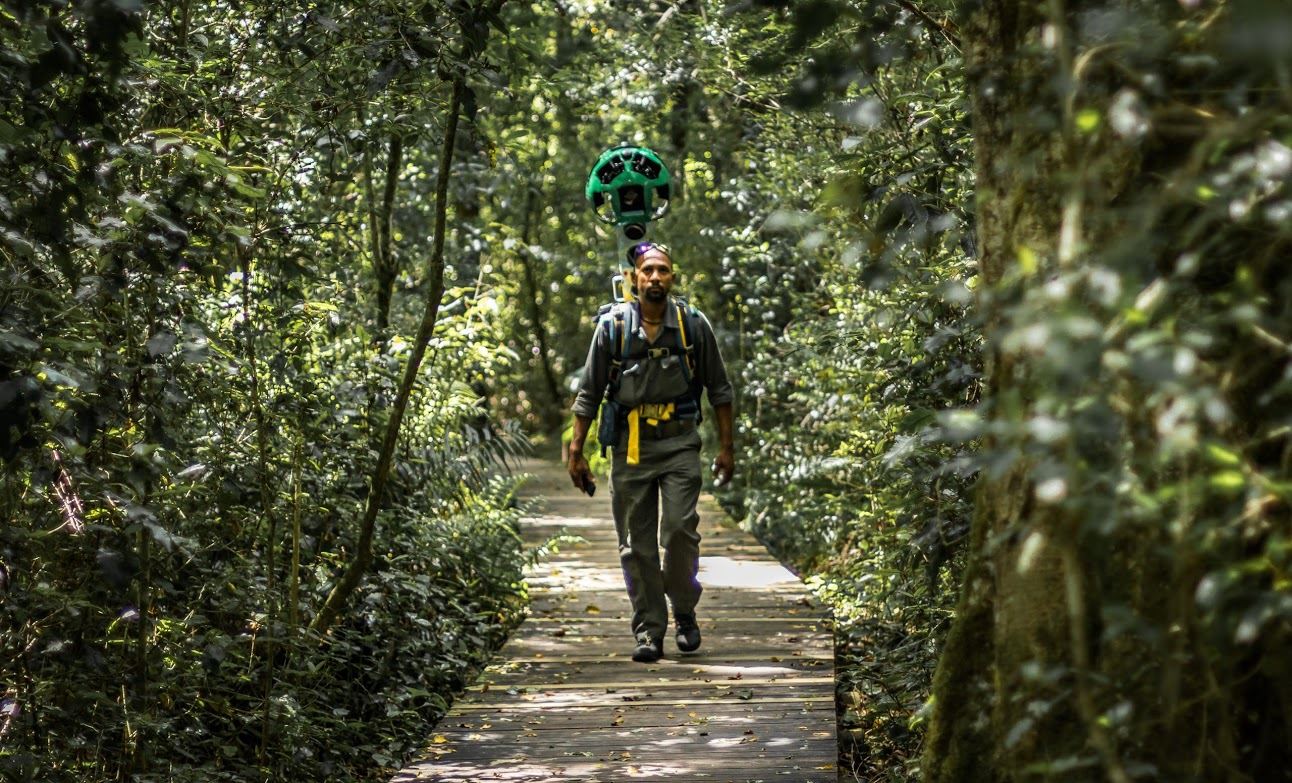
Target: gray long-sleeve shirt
710, 372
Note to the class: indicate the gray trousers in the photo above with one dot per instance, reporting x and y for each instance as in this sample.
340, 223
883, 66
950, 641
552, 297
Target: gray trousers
654, 505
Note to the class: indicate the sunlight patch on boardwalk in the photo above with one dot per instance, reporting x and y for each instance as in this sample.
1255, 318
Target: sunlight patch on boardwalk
563, 701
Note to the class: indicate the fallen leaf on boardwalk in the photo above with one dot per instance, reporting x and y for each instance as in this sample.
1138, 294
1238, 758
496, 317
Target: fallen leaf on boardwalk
618, 721
745, 694
775, 659
592, 609
826, 766
439, 739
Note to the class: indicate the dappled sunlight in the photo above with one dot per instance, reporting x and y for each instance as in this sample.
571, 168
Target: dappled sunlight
758, 574
614, 767
571, 522
565, 703
576, 574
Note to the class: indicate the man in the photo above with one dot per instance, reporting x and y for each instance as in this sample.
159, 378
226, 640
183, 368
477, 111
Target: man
666, 356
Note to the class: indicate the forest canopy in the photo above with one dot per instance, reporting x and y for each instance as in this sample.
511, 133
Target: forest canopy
289, 288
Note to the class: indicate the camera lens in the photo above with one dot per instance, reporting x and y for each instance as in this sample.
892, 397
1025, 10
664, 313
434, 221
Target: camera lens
634, 230
632, 198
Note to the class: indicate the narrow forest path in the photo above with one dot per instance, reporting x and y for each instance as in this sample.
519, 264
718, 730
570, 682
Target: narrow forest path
564, 702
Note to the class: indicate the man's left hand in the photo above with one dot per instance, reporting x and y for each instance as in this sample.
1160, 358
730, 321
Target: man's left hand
724, 467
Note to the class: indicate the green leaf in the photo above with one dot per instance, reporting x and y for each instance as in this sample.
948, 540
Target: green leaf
1087, 120
1220, 455
1228, 481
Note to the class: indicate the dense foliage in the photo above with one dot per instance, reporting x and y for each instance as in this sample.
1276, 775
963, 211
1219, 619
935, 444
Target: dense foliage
197, 361
1000, 282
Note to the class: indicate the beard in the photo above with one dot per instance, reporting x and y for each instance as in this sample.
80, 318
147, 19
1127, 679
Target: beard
655, 295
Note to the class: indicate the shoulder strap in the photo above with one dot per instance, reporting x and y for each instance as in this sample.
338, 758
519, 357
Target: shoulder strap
629, 315
613, 320
686, 332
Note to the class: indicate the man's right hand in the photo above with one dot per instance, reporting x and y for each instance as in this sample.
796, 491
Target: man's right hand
581, 474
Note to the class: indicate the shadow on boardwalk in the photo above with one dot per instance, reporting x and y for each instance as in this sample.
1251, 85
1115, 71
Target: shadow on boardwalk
564, 702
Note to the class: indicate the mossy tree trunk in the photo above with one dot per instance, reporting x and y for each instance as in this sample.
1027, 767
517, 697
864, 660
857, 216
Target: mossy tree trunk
1040, 678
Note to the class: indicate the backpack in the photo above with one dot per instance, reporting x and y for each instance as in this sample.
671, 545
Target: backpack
621, 321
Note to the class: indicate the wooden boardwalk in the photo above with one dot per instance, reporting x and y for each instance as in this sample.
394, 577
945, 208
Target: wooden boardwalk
563, 701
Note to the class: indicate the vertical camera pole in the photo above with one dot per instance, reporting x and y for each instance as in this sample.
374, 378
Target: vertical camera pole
628, 188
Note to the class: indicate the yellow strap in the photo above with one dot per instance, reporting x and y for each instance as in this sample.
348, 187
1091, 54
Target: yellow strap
686, 346
655, 412
634, 437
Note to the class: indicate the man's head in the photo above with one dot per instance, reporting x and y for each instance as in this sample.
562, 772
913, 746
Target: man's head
652, 270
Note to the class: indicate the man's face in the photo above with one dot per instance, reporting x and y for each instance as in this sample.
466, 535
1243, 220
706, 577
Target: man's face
654, 275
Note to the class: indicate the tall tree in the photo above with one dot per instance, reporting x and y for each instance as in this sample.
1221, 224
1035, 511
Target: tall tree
1116, 619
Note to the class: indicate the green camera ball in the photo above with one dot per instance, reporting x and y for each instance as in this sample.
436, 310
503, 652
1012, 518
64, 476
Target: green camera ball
628, 186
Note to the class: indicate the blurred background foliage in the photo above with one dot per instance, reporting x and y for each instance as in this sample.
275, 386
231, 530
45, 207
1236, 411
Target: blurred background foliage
1001, 283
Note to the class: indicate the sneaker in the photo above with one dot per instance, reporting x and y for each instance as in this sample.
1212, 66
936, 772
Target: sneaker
688, 633
648, 650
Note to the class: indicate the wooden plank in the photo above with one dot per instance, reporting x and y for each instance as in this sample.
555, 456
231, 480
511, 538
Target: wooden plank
563, 702
671, 702
562, 724
532, 685
706, 623
740, 764
595, 669
467, 772
742, 714
619, 644
716, 659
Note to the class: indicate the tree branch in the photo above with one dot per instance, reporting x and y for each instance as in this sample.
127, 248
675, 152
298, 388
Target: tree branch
358, 567
945, 28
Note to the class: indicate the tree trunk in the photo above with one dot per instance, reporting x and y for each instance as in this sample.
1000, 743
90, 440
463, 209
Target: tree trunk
1034, 673
362, 560
385, 267
553, 414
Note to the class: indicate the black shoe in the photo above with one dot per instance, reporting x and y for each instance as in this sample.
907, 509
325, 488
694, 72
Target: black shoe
648, 650
688, 633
